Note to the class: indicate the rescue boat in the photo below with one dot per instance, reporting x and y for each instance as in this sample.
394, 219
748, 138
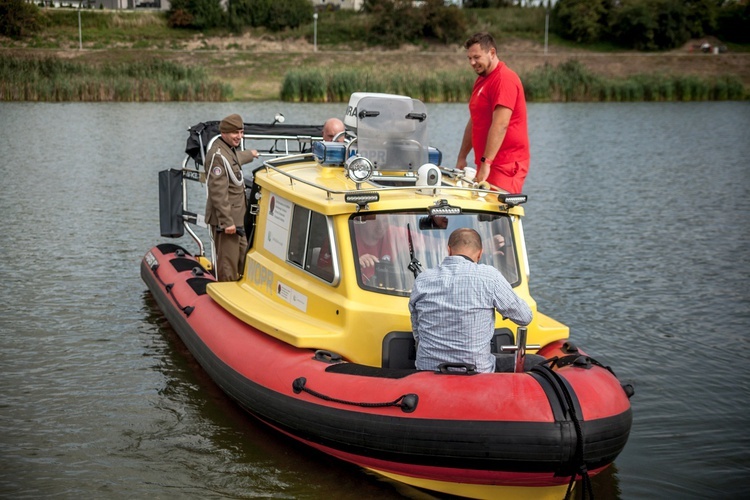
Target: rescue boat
319, 347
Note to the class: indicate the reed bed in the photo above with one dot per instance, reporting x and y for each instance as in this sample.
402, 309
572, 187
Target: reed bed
568, 82
58, 80
337, 85
571, 81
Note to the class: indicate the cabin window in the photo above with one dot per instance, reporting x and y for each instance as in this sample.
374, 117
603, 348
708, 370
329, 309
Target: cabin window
310, 243
385, 243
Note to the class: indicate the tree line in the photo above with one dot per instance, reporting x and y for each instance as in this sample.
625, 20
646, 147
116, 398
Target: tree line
631, 24
392, 22
651, 24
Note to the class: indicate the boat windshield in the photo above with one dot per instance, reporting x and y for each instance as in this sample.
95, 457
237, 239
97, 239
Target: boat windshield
388, 247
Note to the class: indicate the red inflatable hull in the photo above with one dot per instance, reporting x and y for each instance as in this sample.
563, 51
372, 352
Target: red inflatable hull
530, 429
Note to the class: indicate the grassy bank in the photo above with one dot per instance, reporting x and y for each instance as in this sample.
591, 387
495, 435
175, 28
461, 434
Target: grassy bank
258, 65
569, 81
54, 79
102, 29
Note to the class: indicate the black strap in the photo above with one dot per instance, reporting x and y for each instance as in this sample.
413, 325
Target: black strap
577, 360
578, 462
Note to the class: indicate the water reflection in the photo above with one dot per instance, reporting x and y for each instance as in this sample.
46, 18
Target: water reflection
234, 454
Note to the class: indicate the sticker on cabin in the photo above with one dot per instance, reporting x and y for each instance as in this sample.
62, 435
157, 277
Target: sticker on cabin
260, 276
277, 226
378, 156
151, 260
292, 296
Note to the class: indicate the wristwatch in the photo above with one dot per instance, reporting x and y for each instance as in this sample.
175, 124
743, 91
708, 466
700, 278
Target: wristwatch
483, 160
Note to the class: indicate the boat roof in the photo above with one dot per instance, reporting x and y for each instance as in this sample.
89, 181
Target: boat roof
330, 190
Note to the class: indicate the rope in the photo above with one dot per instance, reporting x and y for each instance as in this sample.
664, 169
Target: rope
228, 168
578, 460
407, 402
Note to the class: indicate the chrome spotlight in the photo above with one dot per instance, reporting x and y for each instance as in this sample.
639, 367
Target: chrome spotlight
359, 168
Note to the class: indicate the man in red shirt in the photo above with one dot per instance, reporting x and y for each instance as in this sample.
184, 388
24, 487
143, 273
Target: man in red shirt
497, 128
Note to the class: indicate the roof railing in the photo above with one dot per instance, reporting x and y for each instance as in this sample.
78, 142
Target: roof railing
372, 184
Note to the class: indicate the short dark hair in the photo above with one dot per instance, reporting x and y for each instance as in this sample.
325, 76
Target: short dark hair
465, 238
484, 39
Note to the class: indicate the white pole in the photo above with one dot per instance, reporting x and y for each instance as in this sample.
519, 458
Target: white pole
315, 31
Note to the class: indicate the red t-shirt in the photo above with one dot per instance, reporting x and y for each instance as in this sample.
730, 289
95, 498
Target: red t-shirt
502, 87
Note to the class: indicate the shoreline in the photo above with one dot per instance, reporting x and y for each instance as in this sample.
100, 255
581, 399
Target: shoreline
257, 75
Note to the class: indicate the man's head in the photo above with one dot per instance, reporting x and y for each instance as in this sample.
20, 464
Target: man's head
481, 50
374, 229
232, 129
465, 241
331, 127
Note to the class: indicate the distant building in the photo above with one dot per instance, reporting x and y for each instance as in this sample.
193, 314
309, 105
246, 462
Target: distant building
165, 4
133, 4
339, 4
106, 4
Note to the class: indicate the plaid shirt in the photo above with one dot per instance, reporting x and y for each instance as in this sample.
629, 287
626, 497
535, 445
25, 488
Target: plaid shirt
453, 313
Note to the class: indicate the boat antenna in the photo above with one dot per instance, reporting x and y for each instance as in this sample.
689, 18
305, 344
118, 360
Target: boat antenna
414, 266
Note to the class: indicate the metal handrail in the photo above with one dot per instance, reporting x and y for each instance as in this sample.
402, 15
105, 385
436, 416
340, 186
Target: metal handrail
375, 187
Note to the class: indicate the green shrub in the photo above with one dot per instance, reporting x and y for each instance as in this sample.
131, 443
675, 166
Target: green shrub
446, 24
395, 22
19, 19
633, 25
583, 21
180, 18
276, 15
637, 24
733, 20
198, 14
285, 14
701, 17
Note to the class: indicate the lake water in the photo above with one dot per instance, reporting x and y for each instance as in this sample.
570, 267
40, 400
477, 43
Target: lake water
638, 232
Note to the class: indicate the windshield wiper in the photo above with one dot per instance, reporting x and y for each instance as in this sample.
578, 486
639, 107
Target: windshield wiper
414, 266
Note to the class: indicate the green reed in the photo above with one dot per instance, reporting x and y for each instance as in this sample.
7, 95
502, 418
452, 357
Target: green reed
338, 85
569, 81
52, 79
